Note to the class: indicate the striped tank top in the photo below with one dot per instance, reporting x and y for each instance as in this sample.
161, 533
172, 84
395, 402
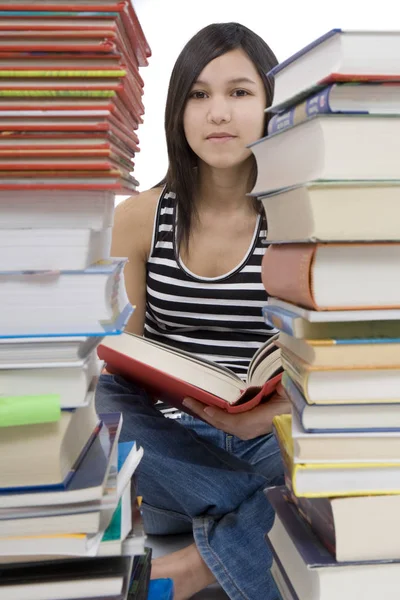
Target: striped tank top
216, 318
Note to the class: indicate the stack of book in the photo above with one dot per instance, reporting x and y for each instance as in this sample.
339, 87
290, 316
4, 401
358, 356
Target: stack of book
329, 179
70, 101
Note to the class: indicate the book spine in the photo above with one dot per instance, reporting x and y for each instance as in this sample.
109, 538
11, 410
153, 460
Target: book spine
38, 73
286, 455
316, 104
296, 398
287, 273
297, 375
30, 93
281, 319
318, 514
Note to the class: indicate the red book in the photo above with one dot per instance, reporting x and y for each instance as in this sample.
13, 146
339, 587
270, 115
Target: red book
172, 375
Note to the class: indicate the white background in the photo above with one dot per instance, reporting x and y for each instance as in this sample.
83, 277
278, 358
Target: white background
286, 26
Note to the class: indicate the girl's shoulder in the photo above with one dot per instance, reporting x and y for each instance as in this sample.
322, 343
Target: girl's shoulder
134, 220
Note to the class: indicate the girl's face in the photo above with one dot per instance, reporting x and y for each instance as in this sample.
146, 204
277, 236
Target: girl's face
225, 110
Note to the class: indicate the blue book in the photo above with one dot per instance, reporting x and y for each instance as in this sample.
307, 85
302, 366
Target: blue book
341, 98
344, 330
161, 589
342, 418
124, 449
88, 481
319, 103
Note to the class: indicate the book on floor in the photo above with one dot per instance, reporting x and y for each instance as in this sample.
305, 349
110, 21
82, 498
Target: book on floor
313, 571
282, 581
173, 375
141, 587
334, 211
338, 55
104, 577
355, 528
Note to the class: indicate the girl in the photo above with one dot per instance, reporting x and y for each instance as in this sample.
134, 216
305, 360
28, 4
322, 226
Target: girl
195, 244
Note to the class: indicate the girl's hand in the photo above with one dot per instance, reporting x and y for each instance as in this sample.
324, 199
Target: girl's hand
246, 425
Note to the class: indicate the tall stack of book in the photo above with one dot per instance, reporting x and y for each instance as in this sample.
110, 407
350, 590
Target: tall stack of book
70, 102
329, 179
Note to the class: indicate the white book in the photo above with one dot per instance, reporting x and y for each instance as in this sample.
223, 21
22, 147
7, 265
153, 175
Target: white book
66, 590
371, 210
51, 249
40, 351
71, 383
66, 302
329, 148
313, 572
46, 453
337, 316
338, 54
86, 521
344, 447
60, 209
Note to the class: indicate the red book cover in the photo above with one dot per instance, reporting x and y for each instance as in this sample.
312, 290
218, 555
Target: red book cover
164, 386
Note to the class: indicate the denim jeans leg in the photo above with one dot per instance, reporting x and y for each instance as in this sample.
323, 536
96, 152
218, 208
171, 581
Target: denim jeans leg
186, 476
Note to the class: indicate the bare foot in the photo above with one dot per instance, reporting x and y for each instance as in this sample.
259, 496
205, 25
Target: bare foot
186, 568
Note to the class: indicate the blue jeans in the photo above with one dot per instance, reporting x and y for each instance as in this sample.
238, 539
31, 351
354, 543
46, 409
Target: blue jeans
196, 478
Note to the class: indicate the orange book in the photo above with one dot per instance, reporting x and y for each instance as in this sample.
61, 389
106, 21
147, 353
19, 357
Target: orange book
338, 276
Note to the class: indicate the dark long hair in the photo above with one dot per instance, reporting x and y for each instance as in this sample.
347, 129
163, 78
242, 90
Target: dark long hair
209, 43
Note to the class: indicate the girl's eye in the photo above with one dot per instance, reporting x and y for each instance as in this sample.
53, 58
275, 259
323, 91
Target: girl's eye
240, 93
197, 95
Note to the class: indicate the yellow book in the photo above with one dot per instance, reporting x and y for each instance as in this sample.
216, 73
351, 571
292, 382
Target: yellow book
324, 480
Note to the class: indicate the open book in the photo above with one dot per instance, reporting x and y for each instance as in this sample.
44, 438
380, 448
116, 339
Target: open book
172, 375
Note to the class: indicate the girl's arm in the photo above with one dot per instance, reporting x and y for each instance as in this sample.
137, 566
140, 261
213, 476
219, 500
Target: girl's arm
132, 235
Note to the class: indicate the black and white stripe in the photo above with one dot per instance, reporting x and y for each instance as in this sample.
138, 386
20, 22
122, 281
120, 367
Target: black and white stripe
216, 318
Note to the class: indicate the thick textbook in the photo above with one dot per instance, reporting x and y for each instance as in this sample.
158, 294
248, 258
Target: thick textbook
171, 374
331, 148
334, 276
339, 55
